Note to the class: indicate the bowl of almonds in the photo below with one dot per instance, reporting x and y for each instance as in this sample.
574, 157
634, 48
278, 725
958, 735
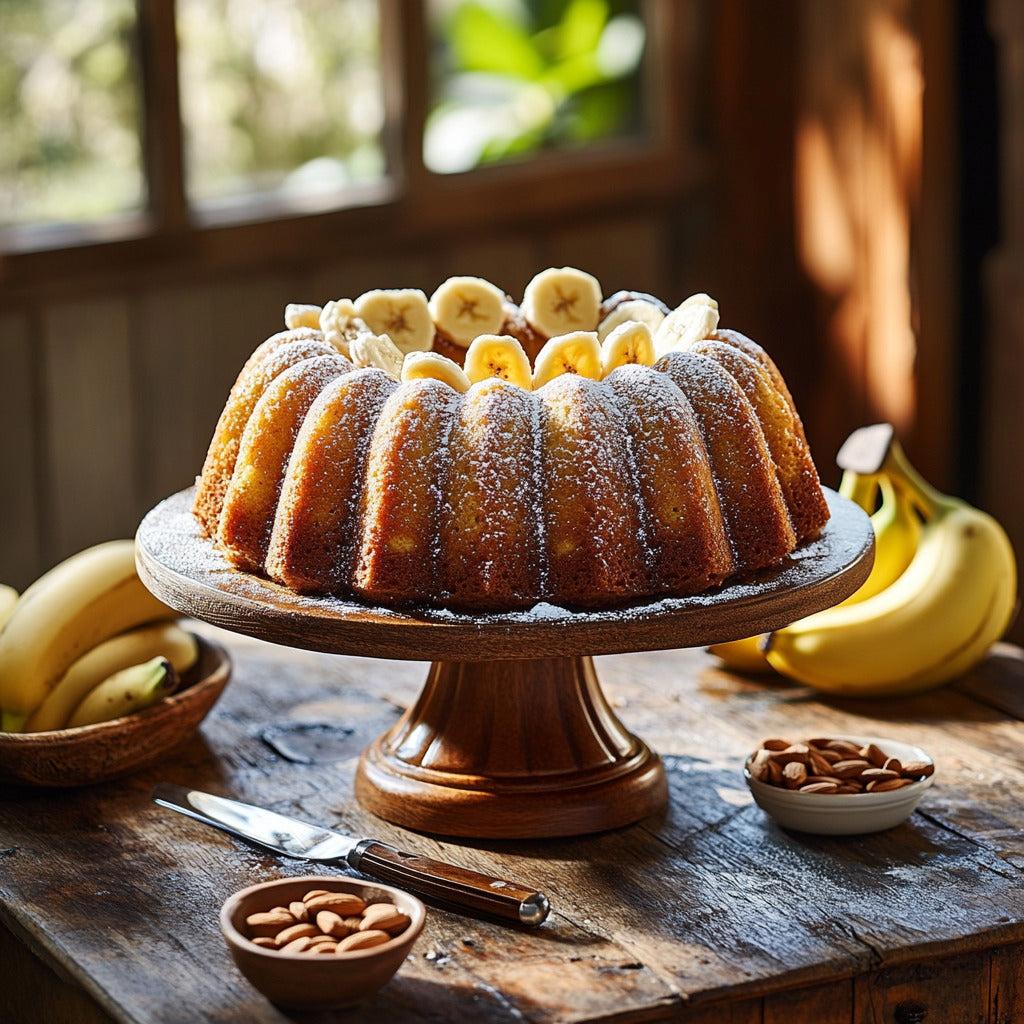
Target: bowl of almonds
838, 785
320, 942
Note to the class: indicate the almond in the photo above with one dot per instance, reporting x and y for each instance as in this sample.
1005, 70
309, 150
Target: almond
331, 923
362, 940
268, 922
295, 931
823, 765
385, 917
342, 903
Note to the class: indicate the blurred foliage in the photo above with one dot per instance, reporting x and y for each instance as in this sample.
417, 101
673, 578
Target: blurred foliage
280, 96
516, 76
69, 111
286, 96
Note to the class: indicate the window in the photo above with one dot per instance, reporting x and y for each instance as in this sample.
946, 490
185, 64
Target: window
279, 97
70, 101
139, 123
510, 79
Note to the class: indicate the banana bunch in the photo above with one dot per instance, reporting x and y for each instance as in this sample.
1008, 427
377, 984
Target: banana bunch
940, 613
87, 621
897, 528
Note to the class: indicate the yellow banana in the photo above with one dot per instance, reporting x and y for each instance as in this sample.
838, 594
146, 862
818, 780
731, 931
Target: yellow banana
897, 528
82, 601
158, 639
8, 599
742, 655
125, 692
940, 616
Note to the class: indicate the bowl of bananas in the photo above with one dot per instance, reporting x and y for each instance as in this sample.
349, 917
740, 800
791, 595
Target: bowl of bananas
839, 785
98, 678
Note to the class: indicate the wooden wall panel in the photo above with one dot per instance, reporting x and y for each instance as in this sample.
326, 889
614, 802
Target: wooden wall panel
622, 253
189, 344
348, 279
89, 425
20, 500
1002, 436
509, 261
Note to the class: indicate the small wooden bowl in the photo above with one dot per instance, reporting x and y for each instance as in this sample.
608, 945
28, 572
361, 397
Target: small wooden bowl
309, 981
107, 750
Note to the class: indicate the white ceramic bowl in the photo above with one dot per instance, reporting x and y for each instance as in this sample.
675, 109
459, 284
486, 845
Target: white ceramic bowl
843, 814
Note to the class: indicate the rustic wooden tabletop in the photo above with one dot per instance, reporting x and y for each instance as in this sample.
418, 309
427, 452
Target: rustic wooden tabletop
706, 912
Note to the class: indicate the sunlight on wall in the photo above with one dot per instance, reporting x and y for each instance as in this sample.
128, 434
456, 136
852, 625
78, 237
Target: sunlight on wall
857, 174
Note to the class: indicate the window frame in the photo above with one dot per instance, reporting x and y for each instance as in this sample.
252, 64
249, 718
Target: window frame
409, 207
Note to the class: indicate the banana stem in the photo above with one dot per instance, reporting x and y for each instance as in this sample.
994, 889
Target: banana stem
929, 500
860, 488
11, 721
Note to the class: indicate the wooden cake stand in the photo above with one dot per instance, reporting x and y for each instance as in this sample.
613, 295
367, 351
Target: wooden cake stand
511, 735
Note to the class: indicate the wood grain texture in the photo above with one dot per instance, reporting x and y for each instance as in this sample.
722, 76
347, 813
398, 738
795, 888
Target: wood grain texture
704, 912
511, 749
20, 479
90, 454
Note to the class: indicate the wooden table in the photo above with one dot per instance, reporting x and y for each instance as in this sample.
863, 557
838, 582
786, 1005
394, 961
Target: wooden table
706, 913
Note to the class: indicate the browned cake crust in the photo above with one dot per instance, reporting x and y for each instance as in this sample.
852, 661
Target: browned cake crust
491, 516
273, 357
396, 559
595, 553
756, 517
783, 433
251, 499
689, 547
312, 546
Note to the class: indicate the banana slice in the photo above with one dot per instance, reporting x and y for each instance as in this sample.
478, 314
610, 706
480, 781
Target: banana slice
558, 302
630, 342
301, 314
401, 313
497, 355
432, 364
639, 310
378, 350
464, 307
340, 324
578, 352
691, 321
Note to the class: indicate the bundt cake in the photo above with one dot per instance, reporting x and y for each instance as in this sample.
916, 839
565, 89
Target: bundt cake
472, 453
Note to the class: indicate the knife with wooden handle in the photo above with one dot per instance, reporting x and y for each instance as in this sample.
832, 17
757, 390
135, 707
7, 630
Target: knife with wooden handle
453, 886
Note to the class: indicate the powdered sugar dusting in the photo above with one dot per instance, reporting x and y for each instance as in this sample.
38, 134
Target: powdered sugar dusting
169, 535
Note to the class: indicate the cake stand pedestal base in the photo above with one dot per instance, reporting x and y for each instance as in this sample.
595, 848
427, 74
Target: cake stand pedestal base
511, 749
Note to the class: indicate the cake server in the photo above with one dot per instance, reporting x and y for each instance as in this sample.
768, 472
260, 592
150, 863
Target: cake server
446, 883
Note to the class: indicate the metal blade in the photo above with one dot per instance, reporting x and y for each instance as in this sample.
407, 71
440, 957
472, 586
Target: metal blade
276, 832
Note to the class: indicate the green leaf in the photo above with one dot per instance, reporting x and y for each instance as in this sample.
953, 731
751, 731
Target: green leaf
581, 27
483, 39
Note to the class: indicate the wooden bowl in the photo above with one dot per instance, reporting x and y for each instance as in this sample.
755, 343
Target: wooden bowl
107, 750
311, 981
